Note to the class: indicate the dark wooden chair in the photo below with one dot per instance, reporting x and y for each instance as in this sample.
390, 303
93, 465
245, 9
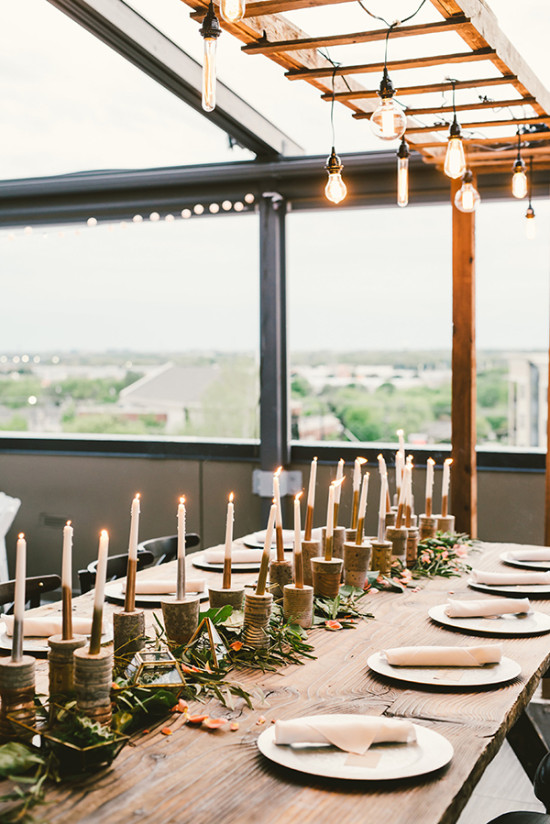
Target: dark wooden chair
541, 785
117, 566
34, 589
521, 817
165, 549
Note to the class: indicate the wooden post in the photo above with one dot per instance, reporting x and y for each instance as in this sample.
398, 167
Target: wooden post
464, 473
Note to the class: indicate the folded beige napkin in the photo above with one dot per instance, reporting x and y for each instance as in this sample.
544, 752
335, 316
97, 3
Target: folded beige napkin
531, 554
352, 733
166, 586
479, 576
485, 607
43, 625
238, 556
444, 656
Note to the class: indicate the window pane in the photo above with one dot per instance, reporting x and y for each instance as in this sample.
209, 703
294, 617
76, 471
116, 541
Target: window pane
148, 329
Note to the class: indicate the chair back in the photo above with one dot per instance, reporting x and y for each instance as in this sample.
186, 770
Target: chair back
34, 587
165, 549
117, 566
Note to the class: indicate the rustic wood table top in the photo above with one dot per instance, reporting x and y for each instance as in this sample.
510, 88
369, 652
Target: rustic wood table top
204, 777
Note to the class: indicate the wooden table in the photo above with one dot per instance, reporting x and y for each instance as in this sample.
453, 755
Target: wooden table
205, 777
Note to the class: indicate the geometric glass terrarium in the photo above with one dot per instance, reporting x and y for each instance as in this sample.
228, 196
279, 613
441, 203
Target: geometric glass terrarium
155, 669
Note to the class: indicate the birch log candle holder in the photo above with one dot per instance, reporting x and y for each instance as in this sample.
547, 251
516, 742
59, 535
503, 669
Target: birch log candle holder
257, 613
228, 595
93, 678
233, 597
16, 696
327, 575
356, 563
381, 556
412, 546
427, 526
446, 523
310, 549
128, 634
298, 605
280, 574
61, 663
397, 536
181, 619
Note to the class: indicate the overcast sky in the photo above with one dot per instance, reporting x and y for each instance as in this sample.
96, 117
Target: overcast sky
69, 103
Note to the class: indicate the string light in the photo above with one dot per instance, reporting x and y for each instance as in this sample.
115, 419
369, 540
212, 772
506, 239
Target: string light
455, 160
403, 173
335, 189
210, 31
388, 121
519, 178
530, 225
467, 198
232, 10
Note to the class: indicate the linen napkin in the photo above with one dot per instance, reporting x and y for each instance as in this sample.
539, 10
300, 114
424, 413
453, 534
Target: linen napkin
238, 556
43, 625
352, 733
531, 554
166, 586
483, 607
480, 576
444, 656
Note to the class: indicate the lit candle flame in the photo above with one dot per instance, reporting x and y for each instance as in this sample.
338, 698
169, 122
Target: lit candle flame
337, 483
298, 496
362, 460
21, 535
182, 499
231, 496
431, 461
103, 534
278, 472
68, 523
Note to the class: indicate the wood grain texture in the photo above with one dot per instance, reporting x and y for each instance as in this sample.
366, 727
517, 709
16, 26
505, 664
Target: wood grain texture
201, 777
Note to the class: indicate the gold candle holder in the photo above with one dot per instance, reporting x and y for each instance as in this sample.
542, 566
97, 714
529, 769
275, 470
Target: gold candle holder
356, 563
427, 526
129, 634
16, 697
93, 678
233, 596
298, 605
381, 556
412, 546
310, 549
181, 619
280, 574
61, 663
446, 523
327, 576
397, 536
257, 612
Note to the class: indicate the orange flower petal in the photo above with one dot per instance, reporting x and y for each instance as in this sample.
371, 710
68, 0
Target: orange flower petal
166, 731
214, 723
234, 726
236, 645
197, 719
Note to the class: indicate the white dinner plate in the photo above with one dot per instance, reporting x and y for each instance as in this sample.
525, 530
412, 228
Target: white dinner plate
38, 644
200, 562
515, 590
115, 595
457, 677
382, 762
530, 623
506, 558
257, 540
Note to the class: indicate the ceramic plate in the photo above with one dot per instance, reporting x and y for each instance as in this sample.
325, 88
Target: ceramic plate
382, 762
531, 623
256, 541
38, 645
506, 558
200, 563
457, 677
515, 590
115, 595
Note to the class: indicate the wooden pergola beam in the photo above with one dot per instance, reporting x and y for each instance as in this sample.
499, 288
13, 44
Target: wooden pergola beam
481, 124
503, 156
265, 46
276, 6
392, 65
465, 107
424, 89
463, 413
526, 139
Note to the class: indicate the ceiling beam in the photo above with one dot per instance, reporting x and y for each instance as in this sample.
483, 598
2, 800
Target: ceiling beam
275, 6
526, 140
411, 90
475, 106
481, 124
392, 65
129, 34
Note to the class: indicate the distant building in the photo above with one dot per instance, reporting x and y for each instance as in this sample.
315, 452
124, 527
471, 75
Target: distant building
528, 399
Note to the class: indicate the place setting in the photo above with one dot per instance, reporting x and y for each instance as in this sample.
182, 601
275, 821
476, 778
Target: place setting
518, 583
533, 557
491, 616
443, 666
355, 747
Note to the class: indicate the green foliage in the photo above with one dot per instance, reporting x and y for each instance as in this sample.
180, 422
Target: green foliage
113, 424
344, 608
300, 387
15, 393
17, 423
17, 759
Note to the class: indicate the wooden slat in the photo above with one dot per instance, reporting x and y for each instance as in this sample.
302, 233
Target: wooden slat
525, 139
393, 65
463, 408
481, 124
268, 47
404, 91
276, 6
506, 156
464, 107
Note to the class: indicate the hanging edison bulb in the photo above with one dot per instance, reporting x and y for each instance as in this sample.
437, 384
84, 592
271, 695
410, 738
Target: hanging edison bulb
388, 121
232, 10
403, 174
467, 198
519, 180
455, 159
210, 30
530, 225
336, 189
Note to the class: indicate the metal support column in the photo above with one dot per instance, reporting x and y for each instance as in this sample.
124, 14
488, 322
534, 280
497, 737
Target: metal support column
274, 416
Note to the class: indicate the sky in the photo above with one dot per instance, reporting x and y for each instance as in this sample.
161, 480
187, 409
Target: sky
69, 103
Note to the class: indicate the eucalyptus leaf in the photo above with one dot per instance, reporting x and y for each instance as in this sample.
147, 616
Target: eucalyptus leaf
16, 758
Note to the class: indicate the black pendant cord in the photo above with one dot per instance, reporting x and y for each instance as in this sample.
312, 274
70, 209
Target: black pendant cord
390, 26
519, 148
332, 109
530, 206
